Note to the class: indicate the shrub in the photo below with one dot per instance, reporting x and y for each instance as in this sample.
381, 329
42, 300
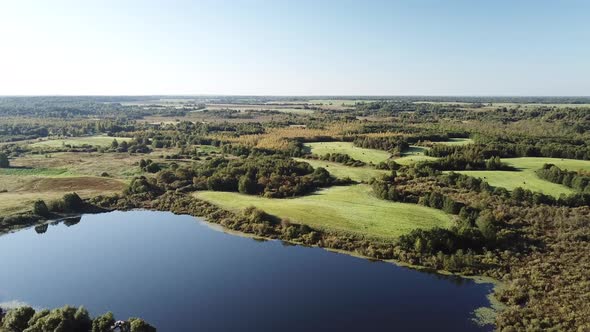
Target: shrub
17, 319
69, 203
4, 162
40, 208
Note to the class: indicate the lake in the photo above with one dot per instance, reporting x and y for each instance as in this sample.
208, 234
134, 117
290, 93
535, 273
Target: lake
180, 274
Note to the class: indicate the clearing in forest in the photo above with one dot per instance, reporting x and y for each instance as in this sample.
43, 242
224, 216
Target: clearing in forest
526, 177
366, 155
79, 141
352, 209
361, 174
413, 155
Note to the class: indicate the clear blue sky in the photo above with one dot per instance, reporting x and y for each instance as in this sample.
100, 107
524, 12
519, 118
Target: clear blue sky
411, 47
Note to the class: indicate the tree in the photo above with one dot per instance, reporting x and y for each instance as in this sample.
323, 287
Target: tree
123, 147
486, 225
103, 323
4, 162
61, 319
40, 208
139, 325
518, 194
17, 319
246, 185
72, 202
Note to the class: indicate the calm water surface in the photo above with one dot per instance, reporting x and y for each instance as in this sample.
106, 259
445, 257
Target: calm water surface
181, 275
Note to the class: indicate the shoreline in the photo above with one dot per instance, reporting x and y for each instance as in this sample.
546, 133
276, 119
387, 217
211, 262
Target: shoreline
489, 311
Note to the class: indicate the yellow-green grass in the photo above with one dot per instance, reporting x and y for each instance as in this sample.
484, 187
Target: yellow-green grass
34, 171
526, 177
413, 155
361, 174
79, 141
261, 108
353, 209
457, 141
366, 155
51, 176
120, 165
23, 190
492, 106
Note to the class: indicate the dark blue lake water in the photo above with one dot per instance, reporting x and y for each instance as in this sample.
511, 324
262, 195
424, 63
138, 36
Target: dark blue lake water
181, 275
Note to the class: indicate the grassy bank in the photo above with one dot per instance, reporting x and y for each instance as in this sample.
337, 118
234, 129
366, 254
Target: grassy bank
350, 209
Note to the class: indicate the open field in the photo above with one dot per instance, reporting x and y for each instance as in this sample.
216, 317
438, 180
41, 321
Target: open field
493, 106
335, 104
526, 178
457, 141
361, 174
120, 165
349, 208
22, 191
366, 155
78, 141
259, 108
51, 176
413, 155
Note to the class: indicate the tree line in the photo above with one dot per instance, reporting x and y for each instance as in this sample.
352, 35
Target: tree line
575, 180
27, 319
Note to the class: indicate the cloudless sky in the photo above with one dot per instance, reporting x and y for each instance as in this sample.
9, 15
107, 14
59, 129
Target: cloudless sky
413, 47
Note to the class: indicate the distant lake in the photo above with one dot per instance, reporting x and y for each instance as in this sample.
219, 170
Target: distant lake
180, 274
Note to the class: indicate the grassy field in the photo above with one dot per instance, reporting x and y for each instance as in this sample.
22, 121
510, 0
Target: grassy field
493, 106
366, 155
22, 191
457, 141
412, 155
259, 107
51, 176
78, 141
526, 178
361, 174
349, 208
34, 171
120, 165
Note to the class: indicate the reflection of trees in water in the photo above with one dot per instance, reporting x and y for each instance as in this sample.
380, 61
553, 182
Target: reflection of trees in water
72, 221
259, 239
455, 279
41, 228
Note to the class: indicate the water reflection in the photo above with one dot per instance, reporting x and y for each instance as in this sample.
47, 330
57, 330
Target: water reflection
70, 221
41, 228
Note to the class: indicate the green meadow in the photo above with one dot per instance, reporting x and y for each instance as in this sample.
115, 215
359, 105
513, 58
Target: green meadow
361, 174
79, 141
457, 141
366, 155
525, 176
351, 209
413, 155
